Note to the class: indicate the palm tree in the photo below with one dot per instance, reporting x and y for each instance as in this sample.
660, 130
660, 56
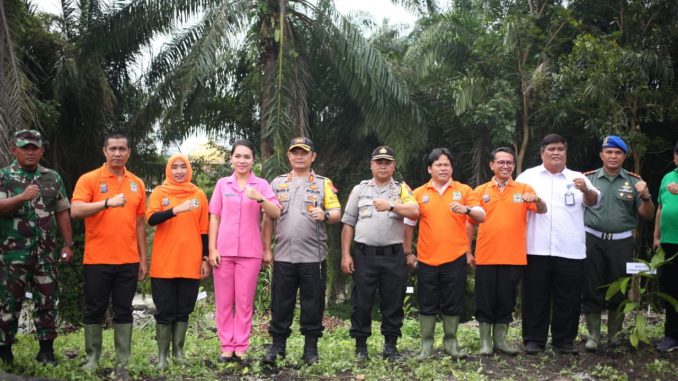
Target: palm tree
16, 108
227, 48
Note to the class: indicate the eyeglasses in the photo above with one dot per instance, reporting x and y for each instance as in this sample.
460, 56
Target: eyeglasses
504, 163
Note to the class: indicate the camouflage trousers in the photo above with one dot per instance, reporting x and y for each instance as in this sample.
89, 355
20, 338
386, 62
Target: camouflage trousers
22, 271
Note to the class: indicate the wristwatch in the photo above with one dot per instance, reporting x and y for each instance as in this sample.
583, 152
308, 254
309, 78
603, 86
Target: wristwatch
260, 200
391, 205
327, 215
468, 210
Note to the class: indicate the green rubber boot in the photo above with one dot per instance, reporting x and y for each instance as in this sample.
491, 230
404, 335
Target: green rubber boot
179, 329
615, 323
93, 340
593, 326
163, 335
427, 326
499, 332
122, 334
450, 324
485, 339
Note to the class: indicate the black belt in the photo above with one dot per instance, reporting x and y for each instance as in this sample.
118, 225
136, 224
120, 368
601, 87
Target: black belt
379, 250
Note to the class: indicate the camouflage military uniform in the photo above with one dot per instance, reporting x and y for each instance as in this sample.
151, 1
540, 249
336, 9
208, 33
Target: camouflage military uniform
27, 250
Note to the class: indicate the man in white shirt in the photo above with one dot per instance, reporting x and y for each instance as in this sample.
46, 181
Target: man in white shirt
556, 249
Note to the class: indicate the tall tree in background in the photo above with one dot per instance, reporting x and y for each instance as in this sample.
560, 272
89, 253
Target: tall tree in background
270, 40
16, 107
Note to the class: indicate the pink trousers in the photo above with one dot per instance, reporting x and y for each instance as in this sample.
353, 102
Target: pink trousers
235, 284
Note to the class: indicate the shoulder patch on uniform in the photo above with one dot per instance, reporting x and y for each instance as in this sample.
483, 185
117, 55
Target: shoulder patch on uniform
633, 174
331, 184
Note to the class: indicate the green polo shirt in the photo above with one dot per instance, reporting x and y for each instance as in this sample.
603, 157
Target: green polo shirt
619, 202
668, 221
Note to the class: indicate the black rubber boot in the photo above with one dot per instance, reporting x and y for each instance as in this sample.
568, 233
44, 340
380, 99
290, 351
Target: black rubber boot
311, 350
277, 349
6, 354
361, 348
391, 348
46, 354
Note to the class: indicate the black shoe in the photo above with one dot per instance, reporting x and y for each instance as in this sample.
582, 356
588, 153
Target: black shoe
566, 349
46, 358
6, 355
391, 348
311, 350
277, 349
532, 347
361, 349
667, 344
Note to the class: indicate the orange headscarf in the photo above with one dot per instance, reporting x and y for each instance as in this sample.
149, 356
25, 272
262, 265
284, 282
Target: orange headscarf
174, 188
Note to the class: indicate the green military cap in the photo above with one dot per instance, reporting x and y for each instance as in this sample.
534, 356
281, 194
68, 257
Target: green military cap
26, 137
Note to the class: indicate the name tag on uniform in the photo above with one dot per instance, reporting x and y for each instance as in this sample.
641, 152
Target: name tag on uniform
425, 199
486, 197
229, 194
456, 196
517, 197
103, 188
133, 187
165, 201
569, 199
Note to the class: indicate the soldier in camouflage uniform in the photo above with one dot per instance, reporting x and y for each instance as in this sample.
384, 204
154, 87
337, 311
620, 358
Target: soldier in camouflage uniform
33, 204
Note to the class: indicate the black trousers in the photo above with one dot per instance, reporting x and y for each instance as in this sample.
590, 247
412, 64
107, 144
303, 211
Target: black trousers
496, 289
174, 298
309, 279
441, 289
551, 296
384, 268
116, 283
605, 263
668, 283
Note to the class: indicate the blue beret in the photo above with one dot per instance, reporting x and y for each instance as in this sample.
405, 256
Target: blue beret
615, 142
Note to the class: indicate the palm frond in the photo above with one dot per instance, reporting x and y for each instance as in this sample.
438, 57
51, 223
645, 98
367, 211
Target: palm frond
16, 109
129, 25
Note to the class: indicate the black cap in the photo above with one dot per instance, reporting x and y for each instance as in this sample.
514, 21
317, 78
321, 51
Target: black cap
301, 142
26, 137
383, 152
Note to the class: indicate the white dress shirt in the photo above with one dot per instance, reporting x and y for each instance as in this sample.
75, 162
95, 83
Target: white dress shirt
560, 231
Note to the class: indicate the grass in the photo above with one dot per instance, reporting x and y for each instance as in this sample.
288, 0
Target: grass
337, 357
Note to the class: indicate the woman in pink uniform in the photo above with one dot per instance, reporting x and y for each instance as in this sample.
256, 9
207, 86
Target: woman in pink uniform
235, 247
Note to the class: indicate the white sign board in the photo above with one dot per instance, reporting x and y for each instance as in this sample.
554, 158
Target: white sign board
637, 267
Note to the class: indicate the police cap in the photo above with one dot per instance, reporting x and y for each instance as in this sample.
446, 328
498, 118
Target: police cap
301, 142
383, 152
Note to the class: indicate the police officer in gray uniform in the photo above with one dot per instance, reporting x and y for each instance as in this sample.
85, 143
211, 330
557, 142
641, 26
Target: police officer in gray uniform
609, 236
308, 203
374, 213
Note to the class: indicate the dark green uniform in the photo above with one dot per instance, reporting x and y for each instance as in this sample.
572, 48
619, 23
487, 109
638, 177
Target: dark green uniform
609, 235
27, 250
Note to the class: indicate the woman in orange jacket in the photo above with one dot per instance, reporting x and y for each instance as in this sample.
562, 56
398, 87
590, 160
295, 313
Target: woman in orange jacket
179, 256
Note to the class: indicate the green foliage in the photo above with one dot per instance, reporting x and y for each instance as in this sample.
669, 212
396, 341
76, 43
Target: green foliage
648, 296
